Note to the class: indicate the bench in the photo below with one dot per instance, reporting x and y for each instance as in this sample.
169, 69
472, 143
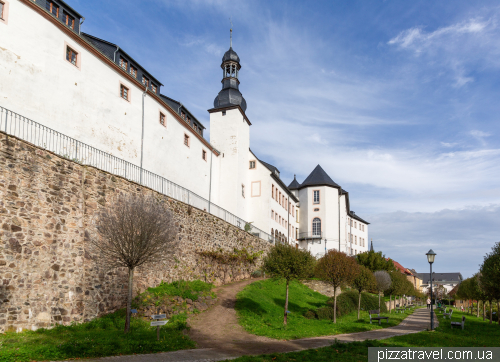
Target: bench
459, 324
378, 317
400, 310
448, 314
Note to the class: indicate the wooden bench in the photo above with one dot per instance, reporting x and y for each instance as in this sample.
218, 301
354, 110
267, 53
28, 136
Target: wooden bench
378, 317
448, 314
459, 324
400, 310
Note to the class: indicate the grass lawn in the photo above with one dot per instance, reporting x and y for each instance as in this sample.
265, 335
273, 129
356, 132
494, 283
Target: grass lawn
260, 308
101, 337
476, 334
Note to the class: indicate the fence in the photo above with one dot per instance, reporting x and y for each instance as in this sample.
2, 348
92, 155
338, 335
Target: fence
28, 130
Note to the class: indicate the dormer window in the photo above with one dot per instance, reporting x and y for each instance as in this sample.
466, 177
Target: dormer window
123, 64
183, 115
52, 8
145, 81
153, 87
69, 20
133, 71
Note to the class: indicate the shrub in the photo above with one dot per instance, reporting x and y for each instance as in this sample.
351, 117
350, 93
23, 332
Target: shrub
310, 314
257, 274
325, 313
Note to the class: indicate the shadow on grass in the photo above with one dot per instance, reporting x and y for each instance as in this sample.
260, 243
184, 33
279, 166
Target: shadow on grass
295, 307
250, 305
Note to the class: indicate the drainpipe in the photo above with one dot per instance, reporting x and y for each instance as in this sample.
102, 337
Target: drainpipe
210, 182
80, 27
114, 55
340, 191
142, 135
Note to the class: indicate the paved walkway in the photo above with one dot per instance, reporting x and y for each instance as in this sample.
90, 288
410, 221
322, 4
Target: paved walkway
219, 336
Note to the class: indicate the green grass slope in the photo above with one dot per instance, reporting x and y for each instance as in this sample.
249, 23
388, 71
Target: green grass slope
260, 308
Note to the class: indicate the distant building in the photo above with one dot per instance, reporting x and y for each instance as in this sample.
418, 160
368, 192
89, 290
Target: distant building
410, 274
447, 280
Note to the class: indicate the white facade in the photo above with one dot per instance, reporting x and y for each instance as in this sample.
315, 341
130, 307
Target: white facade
85, 100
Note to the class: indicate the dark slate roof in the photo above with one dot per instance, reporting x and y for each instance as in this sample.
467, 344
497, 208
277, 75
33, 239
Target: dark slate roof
66, 6
294, 185
230, 97
441, 277
108, 49
230, 55
318, 177
270, 167
354, 216
177, 106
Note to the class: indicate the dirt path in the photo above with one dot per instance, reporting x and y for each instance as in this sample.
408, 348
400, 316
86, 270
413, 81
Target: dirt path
218, 329
219, 336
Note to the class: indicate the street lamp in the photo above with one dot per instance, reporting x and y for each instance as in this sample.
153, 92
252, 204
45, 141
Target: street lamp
430, 258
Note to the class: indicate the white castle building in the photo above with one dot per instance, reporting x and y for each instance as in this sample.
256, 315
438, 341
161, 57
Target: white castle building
95, 92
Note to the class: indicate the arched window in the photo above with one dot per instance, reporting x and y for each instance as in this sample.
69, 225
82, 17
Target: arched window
316, 227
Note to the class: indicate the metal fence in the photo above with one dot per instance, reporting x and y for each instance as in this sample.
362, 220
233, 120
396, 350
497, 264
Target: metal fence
28, 130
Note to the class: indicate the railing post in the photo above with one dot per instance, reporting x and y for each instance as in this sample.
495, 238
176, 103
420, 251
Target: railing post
6, 119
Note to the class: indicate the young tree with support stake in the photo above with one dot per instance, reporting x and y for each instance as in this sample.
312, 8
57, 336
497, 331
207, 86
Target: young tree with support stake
289, 263
337, 269
364, 281
131, 232
490, 277
383, 280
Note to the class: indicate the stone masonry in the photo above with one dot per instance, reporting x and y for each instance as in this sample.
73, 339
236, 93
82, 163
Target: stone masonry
47, 273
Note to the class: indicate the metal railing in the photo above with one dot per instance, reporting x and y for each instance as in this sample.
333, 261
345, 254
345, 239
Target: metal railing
309, 235
41, 136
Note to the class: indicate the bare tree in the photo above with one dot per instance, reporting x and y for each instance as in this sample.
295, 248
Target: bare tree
132, 231
383, 282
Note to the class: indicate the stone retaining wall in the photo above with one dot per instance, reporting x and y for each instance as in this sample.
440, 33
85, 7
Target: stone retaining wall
48, 275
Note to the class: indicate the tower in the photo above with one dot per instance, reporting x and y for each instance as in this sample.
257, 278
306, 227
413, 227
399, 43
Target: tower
230, 135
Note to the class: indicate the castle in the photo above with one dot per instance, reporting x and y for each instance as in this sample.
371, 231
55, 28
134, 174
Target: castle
94, 91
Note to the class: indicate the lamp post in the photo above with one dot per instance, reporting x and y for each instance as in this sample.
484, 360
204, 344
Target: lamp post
430, 258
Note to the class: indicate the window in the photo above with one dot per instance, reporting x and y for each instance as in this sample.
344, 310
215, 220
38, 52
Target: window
316, 196
252, 164
52, 8
145, 81
133, 71
272, 191
186, 140
243, 190
1, 9
183, 115
355, 240
272, 214
355, 225
153, 87
296, 233
276, 216
69, 20
293, 210
316, 209
124, 92
223, 113
316, 226
123, 64
71, 56
204, 154
188, 120
162, 119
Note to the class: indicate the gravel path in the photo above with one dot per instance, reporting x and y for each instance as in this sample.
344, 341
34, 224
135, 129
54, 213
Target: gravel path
219, 336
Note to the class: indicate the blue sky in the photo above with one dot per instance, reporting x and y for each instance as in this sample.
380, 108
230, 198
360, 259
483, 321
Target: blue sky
398, 101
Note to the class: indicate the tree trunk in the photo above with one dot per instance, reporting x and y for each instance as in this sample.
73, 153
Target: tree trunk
484, 310
334, 304
129, 299
359, 303
379, 300
498, 311
491, 310
390, 302
477, 308
285, 321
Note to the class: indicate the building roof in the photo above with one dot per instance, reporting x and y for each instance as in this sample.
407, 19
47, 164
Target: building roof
271, 168
441, 277
294, 185
177, 106
230, 97
66, 6
100, 44
230, 55
356, 217
318, 177
401, 268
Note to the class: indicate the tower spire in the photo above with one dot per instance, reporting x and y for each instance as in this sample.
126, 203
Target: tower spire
231, 34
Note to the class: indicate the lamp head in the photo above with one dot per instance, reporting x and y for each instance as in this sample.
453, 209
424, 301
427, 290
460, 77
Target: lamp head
430, 256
